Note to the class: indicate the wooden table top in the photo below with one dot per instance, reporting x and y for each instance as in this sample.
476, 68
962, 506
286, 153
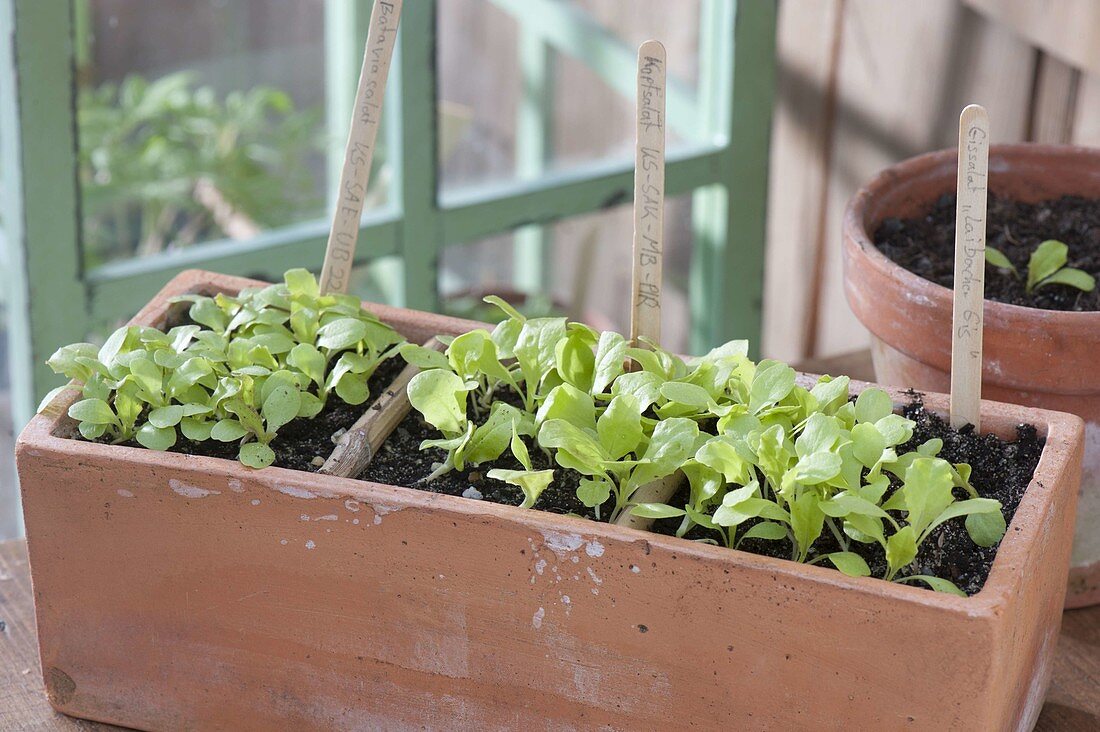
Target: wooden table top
1073, 702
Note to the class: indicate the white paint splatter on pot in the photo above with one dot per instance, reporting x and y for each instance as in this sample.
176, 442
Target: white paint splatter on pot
234, 485
125, 493
310, 544
190, 491
255, 501
536, 619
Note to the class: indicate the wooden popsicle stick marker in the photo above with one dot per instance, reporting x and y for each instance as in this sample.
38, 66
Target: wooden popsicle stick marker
968, 313
649, 195
355, 175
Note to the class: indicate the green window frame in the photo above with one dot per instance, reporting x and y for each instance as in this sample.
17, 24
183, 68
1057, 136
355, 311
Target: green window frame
52, 299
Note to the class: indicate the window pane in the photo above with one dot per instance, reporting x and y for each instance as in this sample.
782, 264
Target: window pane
590, 103
589, 276
205, 119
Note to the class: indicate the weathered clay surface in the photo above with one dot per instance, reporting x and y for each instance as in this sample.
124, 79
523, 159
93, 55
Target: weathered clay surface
183, 592
1039, 358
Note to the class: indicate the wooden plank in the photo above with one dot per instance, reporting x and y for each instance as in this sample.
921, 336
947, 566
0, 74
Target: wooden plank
1086, 123
23, 703
1068, 29
885, 114
1054, 102
797, 175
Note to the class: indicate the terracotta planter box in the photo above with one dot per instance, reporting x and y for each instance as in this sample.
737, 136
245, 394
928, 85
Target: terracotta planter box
1040, 358
179, 592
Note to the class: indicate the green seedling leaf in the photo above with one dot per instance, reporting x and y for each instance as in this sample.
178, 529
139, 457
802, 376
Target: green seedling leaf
872, 405
575, 360
997, 258
608, 361
569, 403
593, 492
156, 438
557, 434
937, 584
301, 282
168, 416
518, 448
440, 396
93, 411
341, 334
423, 358
256, 455
772, 382
656, 511
491, 439
619, 428
197, 430
281, 402
807, 520
831, 393
644, 386
227, 430
1048, 258
1070, 276
927, 492
767, 530
868, 444
895, 429
901, 549
988, 527
849, 563
531, 482
307, 359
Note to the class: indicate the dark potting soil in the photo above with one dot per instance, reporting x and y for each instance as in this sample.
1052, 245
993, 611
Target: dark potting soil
301, 440
926, 246
401, 462
1001, 470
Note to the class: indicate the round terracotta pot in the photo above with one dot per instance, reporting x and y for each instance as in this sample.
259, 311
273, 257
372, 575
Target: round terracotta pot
1041, 358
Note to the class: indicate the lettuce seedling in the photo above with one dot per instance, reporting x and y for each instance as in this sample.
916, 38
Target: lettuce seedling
247, 366
792, 463
1046, 266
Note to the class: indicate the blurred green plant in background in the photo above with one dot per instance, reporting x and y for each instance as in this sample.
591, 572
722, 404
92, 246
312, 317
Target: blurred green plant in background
166, 163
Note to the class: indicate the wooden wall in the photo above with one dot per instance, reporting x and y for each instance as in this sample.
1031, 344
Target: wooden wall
866, 83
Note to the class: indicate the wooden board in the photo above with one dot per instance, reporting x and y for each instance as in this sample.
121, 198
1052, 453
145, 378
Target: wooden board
885, 112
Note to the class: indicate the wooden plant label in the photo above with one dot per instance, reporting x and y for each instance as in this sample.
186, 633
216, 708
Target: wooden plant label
340, 252
968, 315
649, 195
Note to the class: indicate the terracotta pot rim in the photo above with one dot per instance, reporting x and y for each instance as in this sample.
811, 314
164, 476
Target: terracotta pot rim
855, 231
1061, 430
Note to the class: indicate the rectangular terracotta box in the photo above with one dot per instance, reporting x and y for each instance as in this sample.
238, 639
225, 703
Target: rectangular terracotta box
182, 592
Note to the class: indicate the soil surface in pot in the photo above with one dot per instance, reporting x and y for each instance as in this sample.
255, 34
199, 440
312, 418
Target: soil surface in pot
401, 462
926, 246
301, 440
1001, 470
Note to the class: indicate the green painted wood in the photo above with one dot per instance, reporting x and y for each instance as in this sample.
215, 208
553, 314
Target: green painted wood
734, 104
417, 156
475, 212
45, 296
570, 30
117, 289
532, 264
727, 270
